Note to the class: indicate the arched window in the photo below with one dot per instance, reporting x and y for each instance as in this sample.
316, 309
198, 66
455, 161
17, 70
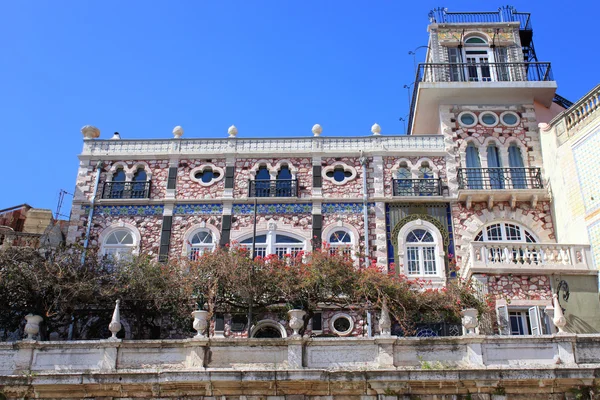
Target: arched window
425, 171
505, 232
119, 244
495, 172
475, 40
282, 244
117, 186
201, 242
341, 242
420, 253
284, 182
473, 172
477, 58
262, 182
517, 167
139, 186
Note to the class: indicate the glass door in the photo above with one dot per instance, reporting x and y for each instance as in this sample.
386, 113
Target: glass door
478, 68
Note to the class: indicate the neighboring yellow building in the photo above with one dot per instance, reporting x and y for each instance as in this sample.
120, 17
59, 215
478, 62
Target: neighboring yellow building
571, 148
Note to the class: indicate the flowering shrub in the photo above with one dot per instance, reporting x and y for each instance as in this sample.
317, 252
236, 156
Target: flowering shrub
157, 298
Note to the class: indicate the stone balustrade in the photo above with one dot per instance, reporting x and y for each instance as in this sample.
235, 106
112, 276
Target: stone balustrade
298, 366
427, 144
511, 257
583, 109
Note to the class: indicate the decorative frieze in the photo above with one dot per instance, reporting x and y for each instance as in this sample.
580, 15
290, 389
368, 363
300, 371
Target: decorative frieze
127, 210
291, 208
192, 209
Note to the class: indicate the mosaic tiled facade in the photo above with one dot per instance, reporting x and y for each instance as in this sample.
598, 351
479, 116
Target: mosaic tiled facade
468, 193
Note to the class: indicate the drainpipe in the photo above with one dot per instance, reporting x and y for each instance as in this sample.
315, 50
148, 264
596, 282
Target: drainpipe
363, 162
86, 242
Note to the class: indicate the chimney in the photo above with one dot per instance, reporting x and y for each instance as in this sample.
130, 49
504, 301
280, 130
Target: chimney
116, 136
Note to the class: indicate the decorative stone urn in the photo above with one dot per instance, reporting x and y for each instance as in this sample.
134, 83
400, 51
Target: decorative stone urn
296, 321
317, 129
32, 327
559, 319
385, 323
177, 132
90, 132
115, 323
469, 320
200, 323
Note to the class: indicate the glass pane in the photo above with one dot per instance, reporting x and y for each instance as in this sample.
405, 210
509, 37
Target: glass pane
340, 237
494, 232
427, 237
529, 237
467, 119
429, 260
339, 175
509, 119
284, 173
516, 323
489, 119
286, 239
140, 176
119, 176
202, 237
412, 256
475, 40
259, 239
263, 173
513, 232
404, 173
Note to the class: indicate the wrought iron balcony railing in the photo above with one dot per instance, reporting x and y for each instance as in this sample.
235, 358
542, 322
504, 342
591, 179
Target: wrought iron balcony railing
126, 190
273, 188
417, 187
485, 72
441, 15
499, 178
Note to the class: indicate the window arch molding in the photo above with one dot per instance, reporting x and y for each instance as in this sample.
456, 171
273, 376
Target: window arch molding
478, 35
346, 168
438, 243
114, 168
119, 226
341, 226
196, 228
204, 167
273, 169
129, 172
481, 150
268, 323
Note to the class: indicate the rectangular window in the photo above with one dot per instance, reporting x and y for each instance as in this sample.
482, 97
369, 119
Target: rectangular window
523, 321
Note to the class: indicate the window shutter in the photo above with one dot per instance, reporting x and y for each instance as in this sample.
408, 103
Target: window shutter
503, 320
317, 225
455, 57
534, 320
229, 174
317, 322
172, 179
225, 230
165, 239
317, 178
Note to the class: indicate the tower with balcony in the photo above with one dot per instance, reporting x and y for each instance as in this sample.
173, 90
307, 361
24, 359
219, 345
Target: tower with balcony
483, 89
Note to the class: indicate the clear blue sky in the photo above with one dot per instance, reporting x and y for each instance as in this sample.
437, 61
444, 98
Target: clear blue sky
272, 68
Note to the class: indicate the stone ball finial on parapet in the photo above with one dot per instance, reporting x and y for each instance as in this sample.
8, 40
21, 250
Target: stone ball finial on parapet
90, 132
177, 132
232, 131
376, 129
317, 129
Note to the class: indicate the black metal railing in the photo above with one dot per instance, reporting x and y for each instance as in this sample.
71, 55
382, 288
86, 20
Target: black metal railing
417, 187
441, 15
485, 72
499, 178
477, 72
561, 101
273, 188
126, 190
429, 329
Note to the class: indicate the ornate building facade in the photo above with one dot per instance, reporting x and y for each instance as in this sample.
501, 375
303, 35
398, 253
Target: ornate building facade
465, 192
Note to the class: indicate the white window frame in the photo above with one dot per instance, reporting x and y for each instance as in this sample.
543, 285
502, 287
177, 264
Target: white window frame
504, 237
345, 167
271, 246
132, 249
438, 279
203, 167
196, 228
200, 248
505, 113
534, 320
